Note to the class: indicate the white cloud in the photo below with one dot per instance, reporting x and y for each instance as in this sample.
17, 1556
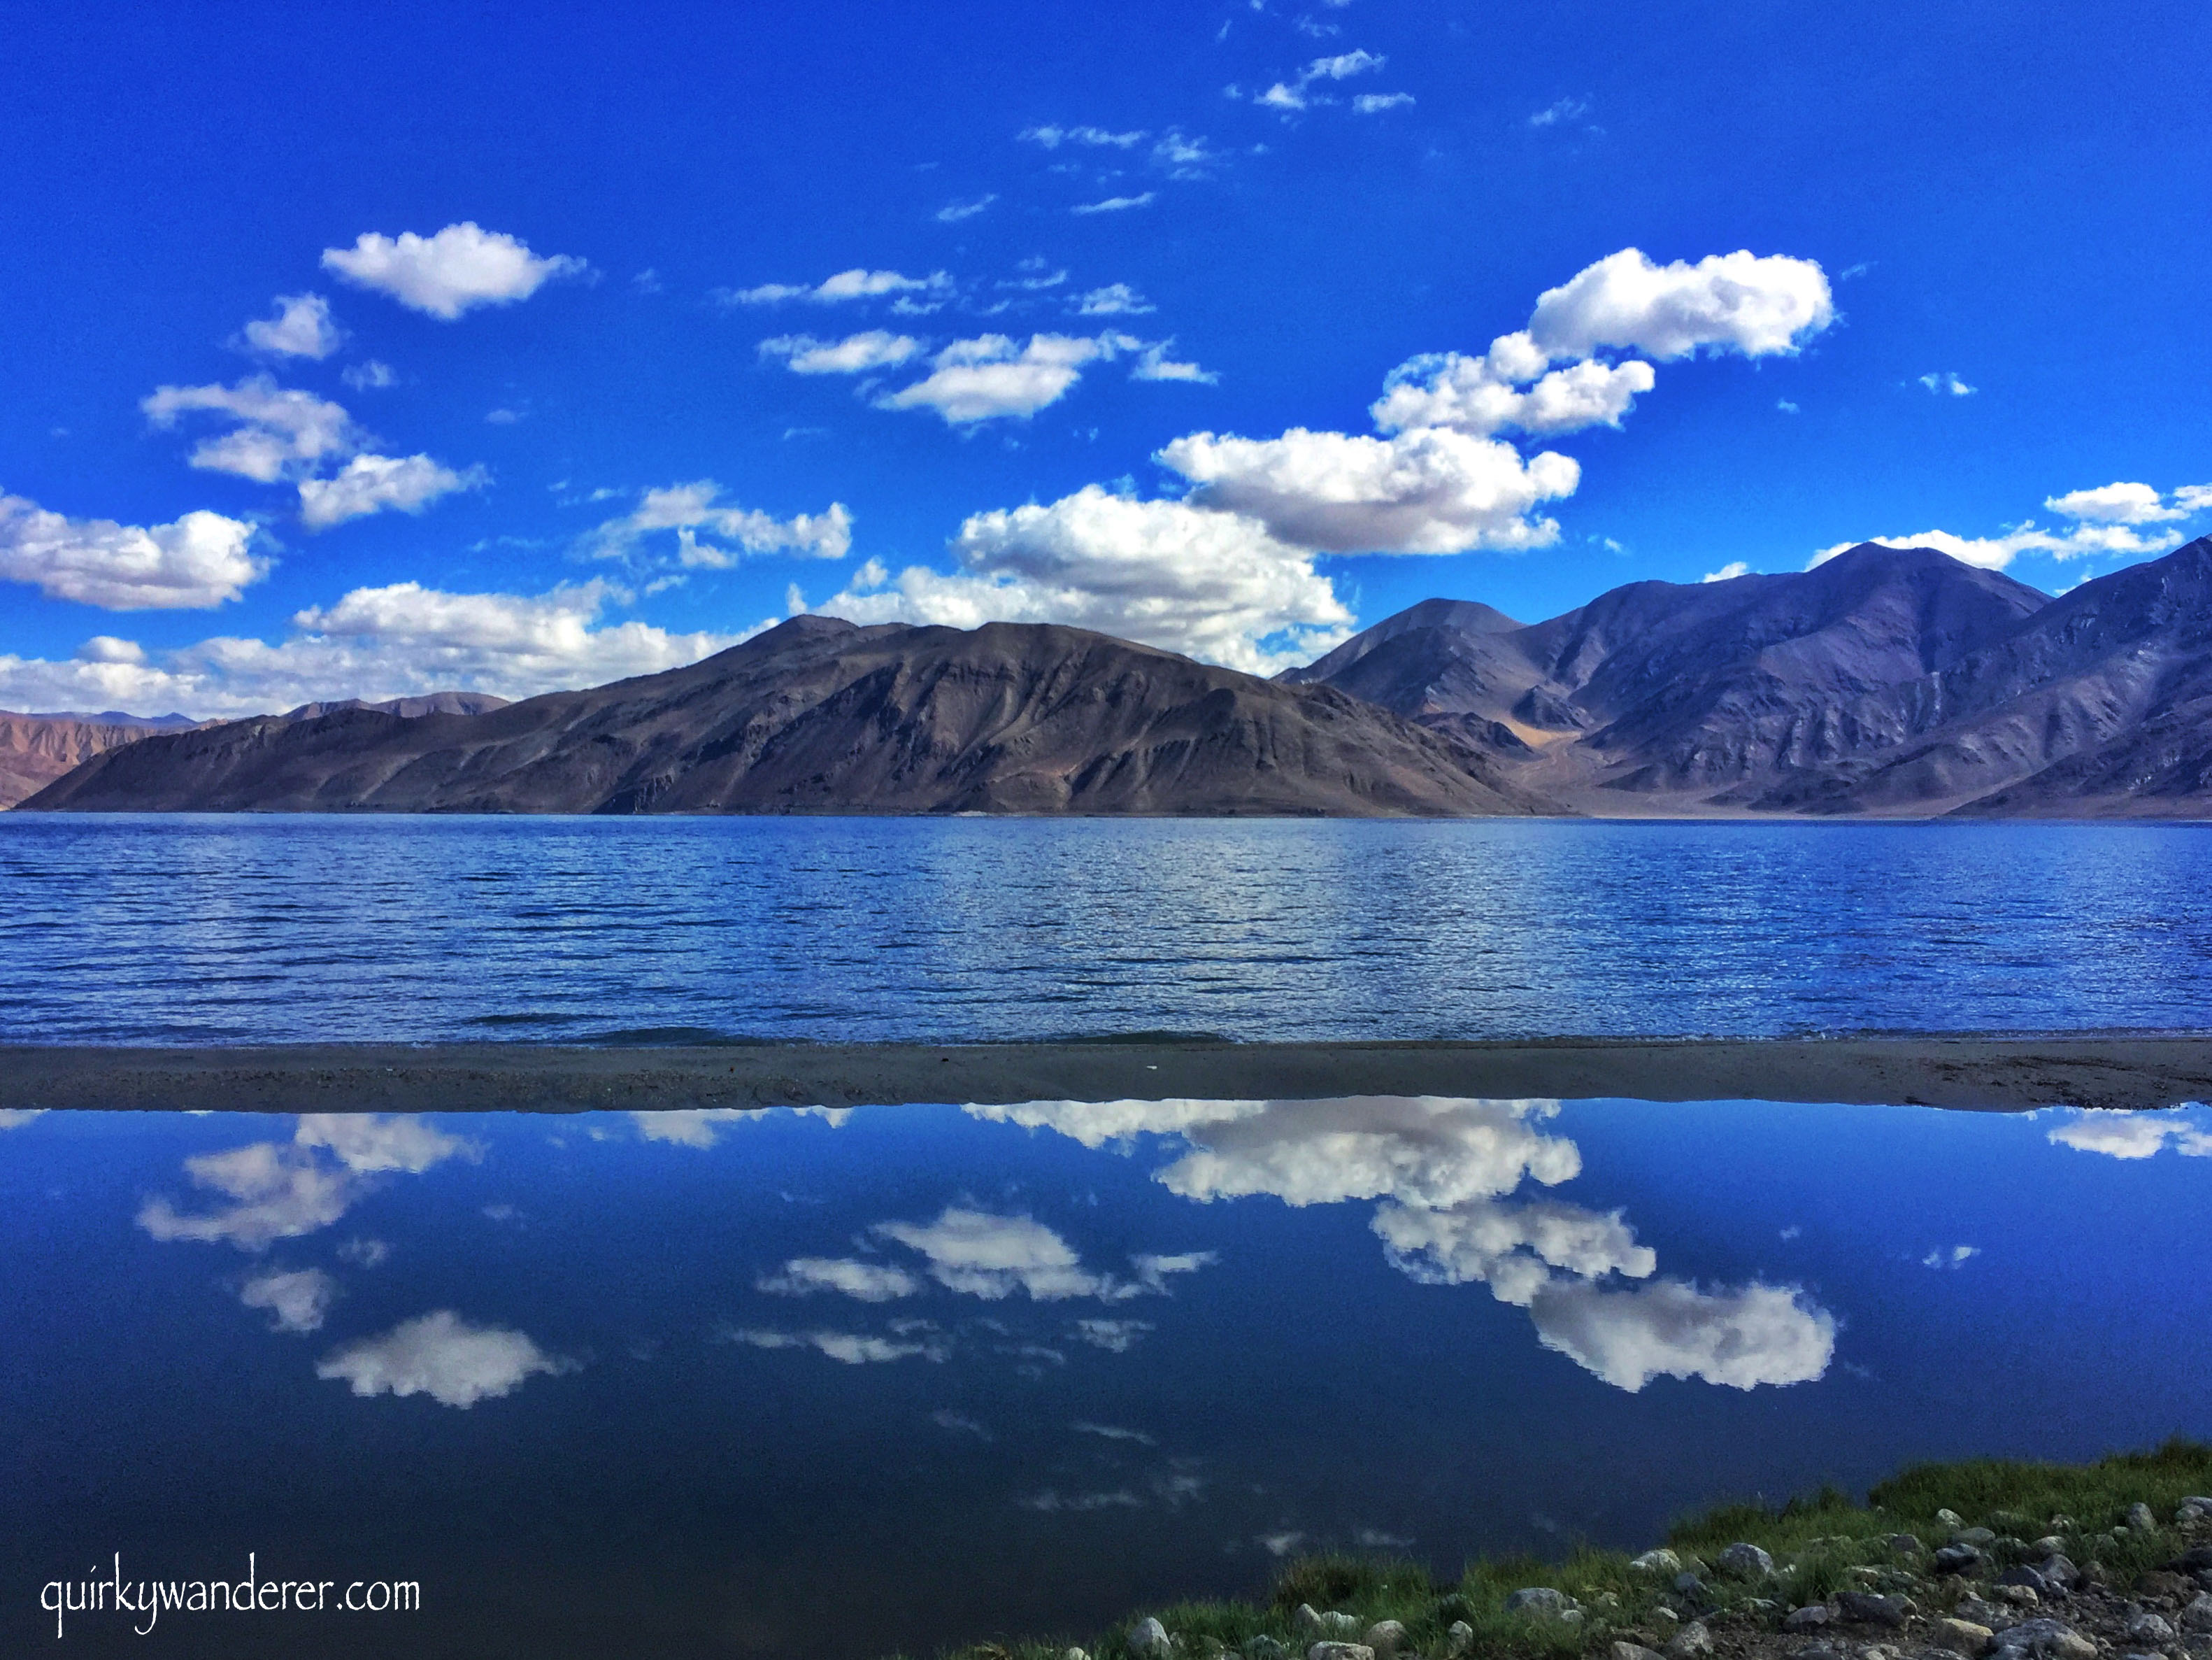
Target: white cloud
715, 536
296, 1301
1738, 1339
1727, 572
989, 377
444, 1356
981, 1255
1053, 138
280, 433
1211, 585
1369, 103
2130, 504
301, 328
946, 1419
1725, 302
1117, 203
399, 641
282, 1192
371, 376
1482, 395
1114, 299
854, 1349
1114, 1432
1510, 1248
1567, 110
1295, 94
1955, 1256
1095, 1123
953, 212
1996, 553
690, 1127
197, 560
13, 1118
1153, 363
2134, 1134
278, 1193
368, 1143
462, 267
1051, 1501
1114, 1337
1428, 490
1947, 384
870, 1282
858, 283
856, 353
371, 483
1181, 157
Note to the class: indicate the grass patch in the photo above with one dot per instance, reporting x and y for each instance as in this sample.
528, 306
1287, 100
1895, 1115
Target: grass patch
1822, 1543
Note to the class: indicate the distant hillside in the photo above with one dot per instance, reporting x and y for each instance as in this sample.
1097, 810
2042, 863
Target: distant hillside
819, 715
37, 749
408, 708
1883, 681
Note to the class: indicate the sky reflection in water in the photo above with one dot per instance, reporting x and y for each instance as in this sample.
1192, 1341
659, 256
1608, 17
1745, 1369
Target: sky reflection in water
733, 1382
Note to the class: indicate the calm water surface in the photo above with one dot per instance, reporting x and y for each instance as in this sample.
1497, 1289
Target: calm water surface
825, 1384
182, 929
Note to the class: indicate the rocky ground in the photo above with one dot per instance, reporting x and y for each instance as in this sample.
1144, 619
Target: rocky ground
2140, 1589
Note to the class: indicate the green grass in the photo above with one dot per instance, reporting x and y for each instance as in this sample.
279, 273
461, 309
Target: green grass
1822, 1542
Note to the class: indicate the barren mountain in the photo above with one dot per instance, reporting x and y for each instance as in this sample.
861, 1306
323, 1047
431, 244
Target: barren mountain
819, 715
37, 749
1883, 681
434, 702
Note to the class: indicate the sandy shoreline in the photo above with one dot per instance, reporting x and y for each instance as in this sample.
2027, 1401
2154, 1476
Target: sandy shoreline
1984, 1072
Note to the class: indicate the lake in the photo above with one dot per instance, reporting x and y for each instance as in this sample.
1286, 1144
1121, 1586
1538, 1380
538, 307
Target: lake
182, 929
827, 1383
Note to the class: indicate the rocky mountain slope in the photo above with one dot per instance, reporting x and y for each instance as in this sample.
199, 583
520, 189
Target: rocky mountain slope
37, 749
1885, 681
435, 703
819, 715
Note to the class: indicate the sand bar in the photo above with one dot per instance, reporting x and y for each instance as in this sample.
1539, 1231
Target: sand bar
1985, 1073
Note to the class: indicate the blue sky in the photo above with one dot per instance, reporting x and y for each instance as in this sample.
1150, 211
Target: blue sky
352, 351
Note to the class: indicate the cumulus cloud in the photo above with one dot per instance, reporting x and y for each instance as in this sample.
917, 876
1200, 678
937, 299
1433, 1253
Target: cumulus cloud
1738, 1339
991, 377
371, 483
1442, 1169
278, 432
399, 641
2133, 1136
370, 376
858, 283
2121, 503
1052, 138
1480, 395
714, 535
301, 328
1510, 1248
296, 1301
444, 1356
1215, 586
280, 1191
2107, 521
1432, 489
854, 1348
196, 561
1114, 299
1955, 1256
856, 353
981, 1255
690, 1127
462, 267
1727, 572
1738, 302
870, 1282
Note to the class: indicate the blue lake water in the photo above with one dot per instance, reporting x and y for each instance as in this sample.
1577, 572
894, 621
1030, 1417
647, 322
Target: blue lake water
149, 929
827, 1384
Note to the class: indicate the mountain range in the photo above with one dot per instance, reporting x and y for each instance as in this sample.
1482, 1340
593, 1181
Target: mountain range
1883, 681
